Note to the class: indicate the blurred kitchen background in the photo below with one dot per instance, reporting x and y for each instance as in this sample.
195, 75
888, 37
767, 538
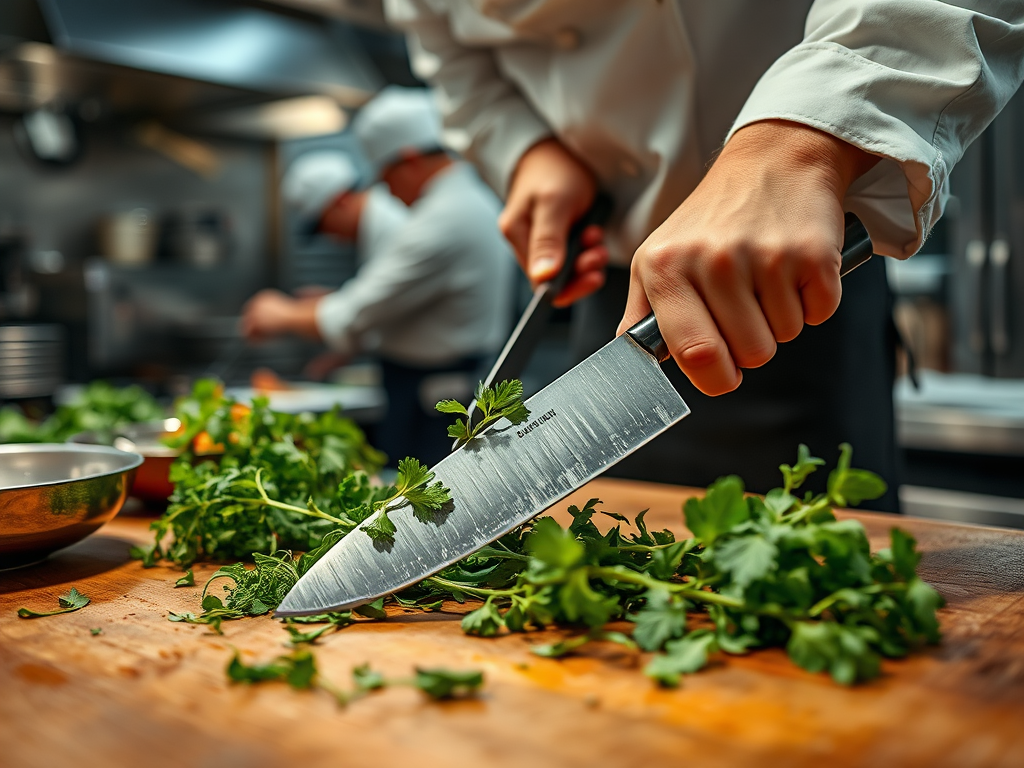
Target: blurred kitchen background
141, 145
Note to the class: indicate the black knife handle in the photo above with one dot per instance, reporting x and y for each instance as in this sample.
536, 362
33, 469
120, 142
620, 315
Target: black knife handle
856, 250
598, 214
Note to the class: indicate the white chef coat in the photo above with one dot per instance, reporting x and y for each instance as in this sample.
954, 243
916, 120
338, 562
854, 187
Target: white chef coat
645, 91
436, 283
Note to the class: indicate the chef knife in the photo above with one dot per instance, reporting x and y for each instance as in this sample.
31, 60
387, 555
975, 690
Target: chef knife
581, 424
533, 322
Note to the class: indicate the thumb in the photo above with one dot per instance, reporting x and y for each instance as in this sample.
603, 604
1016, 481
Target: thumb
548, 233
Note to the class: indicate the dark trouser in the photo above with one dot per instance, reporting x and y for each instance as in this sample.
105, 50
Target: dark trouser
831, 384
412, 427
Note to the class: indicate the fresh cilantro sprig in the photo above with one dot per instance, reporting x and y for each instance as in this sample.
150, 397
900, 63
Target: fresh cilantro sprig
503, 401
72, 601
412, 487
299, 670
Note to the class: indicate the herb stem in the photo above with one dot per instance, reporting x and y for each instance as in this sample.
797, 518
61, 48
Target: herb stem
476, 591
312, 510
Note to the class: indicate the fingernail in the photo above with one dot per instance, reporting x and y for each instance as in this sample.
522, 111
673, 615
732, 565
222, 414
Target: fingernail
541, 267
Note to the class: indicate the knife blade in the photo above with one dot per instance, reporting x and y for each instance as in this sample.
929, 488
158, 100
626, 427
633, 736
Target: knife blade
533, 322
608, 406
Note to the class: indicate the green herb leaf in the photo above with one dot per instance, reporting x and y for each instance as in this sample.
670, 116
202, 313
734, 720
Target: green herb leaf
684, 656
849, 487
561, 648
721, 509
485, 621
149, 555
188, 580
805, 464
374, 610
381, 529
366, 679
439, 683
72, 601
503, 401
663, 618
746, 558
451, 406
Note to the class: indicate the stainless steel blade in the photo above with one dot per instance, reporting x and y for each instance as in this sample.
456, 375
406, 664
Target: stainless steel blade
584, 422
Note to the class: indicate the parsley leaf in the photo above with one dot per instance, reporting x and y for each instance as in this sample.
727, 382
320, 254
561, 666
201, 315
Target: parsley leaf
685, 655
662, 619
72, 601
188, 580
440, 683
413, 487
746, 558
722, 508
503, 401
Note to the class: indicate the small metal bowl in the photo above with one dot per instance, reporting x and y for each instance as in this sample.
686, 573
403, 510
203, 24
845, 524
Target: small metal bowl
54, 494
152, 485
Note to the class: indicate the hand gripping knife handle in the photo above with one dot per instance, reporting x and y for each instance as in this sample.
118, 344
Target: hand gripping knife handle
856, 250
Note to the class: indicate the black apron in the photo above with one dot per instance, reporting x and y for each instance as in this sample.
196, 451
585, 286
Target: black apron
832, 384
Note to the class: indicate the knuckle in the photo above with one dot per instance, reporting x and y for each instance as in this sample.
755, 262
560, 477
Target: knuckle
660, 261
722, 263
775, 263
756, 353
789, 329
700, 354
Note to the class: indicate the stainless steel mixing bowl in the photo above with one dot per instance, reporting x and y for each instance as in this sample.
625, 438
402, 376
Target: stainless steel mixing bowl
52, 495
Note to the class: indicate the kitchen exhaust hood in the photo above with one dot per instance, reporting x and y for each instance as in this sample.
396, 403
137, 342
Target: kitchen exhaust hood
220, 42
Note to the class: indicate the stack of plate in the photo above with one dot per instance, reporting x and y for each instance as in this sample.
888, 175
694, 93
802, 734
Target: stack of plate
31, 360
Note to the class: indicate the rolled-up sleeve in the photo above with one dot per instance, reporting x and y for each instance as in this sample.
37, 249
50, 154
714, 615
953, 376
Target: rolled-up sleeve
913, 81
486, 119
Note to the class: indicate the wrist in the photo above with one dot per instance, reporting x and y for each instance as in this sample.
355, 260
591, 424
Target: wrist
795, 148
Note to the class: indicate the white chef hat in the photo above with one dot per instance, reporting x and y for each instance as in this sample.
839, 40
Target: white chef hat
397, 119
314, 179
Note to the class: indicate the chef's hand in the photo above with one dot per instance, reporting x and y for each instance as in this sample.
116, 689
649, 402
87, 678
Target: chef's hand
271, 313
550, 191
751, 255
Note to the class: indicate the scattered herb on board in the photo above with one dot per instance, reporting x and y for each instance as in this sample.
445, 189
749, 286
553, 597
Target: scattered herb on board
778, 571
299, 670
96, 631
188, 580
72, 601
504, 401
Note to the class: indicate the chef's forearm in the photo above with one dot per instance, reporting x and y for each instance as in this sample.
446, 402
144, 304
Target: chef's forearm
913, 82
835, 163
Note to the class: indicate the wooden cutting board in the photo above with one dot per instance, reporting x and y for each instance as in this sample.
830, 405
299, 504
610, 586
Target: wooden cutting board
148, 692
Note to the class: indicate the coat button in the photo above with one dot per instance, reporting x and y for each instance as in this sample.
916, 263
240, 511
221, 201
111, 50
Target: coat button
629, 168
567, 39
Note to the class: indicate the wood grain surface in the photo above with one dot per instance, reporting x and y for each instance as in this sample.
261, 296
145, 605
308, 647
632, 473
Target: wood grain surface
149, 692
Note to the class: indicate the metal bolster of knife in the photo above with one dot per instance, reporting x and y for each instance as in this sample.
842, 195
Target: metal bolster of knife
857, 249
